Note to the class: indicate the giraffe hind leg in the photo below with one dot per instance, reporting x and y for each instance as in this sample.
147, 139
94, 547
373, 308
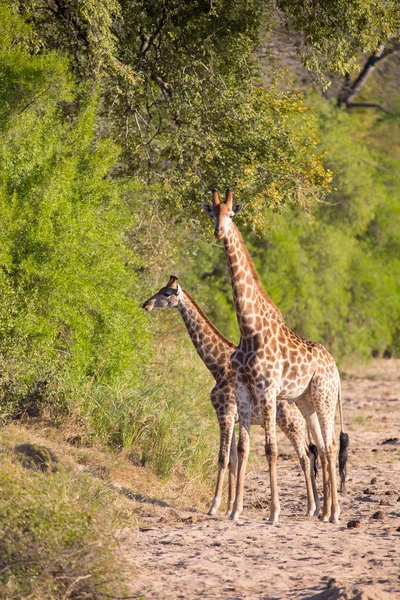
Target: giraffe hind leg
324, 395
232, 474
310, 415
292, 423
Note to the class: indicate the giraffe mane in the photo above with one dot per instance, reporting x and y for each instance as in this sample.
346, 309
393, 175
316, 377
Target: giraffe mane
209, 323
256, 276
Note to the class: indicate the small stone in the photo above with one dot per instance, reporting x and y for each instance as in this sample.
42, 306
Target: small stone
379, 515
354, 524
369, 491
331, 582
398, 529
398, 499
384, 501
374, 480
389, 493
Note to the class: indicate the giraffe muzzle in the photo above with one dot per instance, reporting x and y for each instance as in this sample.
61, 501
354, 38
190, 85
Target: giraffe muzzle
148, 305
219, 233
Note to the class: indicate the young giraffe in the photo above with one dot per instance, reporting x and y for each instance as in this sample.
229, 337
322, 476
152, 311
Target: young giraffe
215, 351
272, 364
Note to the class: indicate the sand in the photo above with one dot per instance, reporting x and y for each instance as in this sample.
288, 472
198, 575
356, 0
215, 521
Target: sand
186, 554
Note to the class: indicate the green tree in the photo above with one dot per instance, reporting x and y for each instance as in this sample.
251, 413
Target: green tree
183, 94
334, 273
68, 318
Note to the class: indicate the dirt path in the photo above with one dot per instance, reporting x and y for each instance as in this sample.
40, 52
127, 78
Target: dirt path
182, 554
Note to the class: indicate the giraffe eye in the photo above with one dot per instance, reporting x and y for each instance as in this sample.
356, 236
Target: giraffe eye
169, 293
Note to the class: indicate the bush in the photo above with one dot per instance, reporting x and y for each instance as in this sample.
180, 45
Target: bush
55, 535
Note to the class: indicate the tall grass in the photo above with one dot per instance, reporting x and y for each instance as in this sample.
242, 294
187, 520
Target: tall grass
166, 422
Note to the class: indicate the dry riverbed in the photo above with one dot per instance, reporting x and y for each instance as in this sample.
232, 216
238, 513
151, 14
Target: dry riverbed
186, 554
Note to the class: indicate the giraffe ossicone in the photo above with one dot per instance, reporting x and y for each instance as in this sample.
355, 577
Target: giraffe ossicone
272, 364
215, 351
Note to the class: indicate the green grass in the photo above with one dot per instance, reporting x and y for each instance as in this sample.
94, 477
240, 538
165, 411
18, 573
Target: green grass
167, 421
56, 534
359, 420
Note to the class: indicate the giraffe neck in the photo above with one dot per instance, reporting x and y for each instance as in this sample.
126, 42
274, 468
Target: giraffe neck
254, 308
212, 347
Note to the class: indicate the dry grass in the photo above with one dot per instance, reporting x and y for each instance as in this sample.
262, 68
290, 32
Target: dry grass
64, 518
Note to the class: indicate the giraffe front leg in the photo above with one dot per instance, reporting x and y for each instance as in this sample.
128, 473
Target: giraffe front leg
226, 426
243, 402
271, 451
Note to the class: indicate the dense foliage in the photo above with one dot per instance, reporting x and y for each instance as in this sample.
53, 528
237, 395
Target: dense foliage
184, 97
67, 274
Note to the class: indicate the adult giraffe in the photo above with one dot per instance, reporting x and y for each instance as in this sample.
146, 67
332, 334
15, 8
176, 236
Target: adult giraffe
215, 352
273, 364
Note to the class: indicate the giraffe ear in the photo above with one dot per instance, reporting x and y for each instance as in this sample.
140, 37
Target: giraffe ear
237, 208
207, 208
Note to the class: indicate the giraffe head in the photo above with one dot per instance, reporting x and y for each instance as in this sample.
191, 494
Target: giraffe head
222, 213
167, 297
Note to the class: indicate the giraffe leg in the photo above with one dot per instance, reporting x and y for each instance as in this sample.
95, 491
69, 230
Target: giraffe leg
293, 425
310, 415
335, 507
226, 427
243, 401
223, 401
232, 475
324, 395
271, 451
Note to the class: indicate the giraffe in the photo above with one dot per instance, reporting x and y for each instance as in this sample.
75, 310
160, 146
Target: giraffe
272, 364
215, 351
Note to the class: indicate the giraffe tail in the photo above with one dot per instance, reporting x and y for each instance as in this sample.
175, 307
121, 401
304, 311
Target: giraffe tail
343, 446
314, 453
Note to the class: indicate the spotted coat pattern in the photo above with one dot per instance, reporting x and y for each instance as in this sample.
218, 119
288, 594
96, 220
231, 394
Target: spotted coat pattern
215, 351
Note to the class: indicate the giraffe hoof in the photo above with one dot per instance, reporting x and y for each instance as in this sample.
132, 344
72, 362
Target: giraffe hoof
213, 511
324, 518
334, 519
274, 519
234, 516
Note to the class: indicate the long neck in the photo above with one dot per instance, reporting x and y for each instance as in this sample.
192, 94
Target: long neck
252, 304
212, 347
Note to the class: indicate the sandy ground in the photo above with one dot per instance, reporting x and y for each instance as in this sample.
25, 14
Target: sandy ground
186, 554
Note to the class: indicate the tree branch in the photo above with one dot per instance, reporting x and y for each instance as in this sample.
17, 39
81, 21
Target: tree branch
164, 86
366, 105
350, 90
